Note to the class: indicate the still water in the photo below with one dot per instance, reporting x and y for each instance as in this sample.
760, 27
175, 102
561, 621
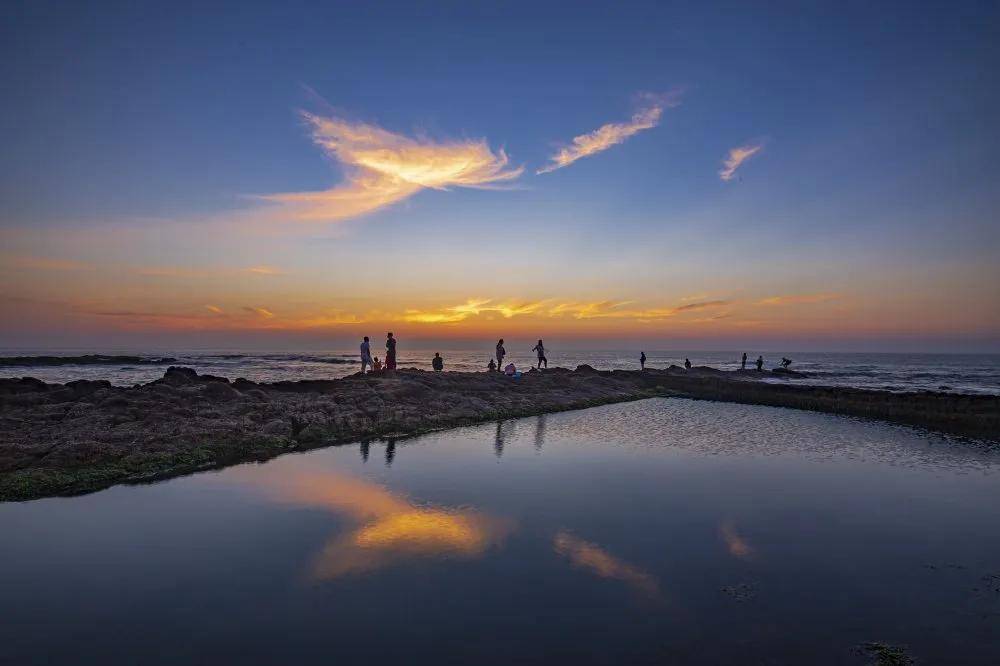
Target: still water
661, 531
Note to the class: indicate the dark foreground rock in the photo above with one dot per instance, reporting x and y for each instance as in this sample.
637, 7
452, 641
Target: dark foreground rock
85, 435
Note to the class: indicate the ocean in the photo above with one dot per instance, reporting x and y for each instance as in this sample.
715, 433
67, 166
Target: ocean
957, 373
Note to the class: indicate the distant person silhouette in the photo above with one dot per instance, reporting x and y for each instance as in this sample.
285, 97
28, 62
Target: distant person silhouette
743, 364
785, 362
437, 362
501, 352
540, 348
366, 355
492, 366
687, 364
390, 352
376, 365
642, 360
760, 363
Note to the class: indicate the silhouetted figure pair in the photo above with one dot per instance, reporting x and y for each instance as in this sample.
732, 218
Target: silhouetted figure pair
540, 348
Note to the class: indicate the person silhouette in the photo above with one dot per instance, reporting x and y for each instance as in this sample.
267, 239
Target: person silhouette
501, 352
491, 366
366, 355
437, 362
642, 360
687, 364
785, 362
760, 363
390, 351
540, 348
743, 363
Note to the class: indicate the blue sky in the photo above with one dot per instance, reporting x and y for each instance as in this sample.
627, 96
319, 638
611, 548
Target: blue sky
877, 125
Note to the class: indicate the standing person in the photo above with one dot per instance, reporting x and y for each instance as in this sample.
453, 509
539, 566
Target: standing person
760, 363
501, 352
390, 352
743, 365
366, 355
540, 348
642, 360
437, 362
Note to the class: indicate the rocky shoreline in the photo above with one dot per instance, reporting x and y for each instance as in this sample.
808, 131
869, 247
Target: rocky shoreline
59, 439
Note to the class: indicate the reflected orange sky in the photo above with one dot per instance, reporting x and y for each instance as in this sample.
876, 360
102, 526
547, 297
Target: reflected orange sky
389, 528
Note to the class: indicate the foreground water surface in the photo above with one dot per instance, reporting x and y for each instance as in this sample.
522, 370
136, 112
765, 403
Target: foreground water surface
660, 531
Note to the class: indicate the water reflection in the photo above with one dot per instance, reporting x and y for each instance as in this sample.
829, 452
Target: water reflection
539, 432
506, 430
391, 528
735, 544
593, 558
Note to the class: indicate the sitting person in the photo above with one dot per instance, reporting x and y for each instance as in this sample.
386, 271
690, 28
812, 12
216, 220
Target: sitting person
437, 362
510, 370
376, 365
492, 366
687, 364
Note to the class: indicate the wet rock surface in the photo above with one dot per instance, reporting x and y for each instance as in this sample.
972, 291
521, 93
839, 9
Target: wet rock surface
85, 435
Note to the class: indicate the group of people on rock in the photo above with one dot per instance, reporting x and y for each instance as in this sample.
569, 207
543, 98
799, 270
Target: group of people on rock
496, 363
368, 361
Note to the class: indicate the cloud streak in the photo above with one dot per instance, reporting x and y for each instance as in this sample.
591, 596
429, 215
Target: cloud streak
798, 299
609, 135
736, 157
383, 168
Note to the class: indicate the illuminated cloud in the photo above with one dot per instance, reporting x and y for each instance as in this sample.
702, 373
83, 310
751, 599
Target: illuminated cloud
609, 135
471, 308
214, 308
735, 544
262, 312
600, 562
738, 156
796, 299
383, 168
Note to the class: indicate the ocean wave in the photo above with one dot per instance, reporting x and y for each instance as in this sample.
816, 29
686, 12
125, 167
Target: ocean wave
87, 359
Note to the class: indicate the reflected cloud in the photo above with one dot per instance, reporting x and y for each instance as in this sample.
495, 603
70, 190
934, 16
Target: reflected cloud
735, 544
384, 168
736, 157
391, 528
596, 560
611, 134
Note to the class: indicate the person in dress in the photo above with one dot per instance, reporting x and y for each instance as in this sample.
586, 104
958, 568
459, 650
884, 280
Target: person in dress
390, 352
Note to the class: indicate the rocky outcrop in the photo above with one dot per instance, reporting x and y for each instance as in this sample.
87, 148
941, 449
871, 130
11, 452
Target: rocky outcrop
84, 435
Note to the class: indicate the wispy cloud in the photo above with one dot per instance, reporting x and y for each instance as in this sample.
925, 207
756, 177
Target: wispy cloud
611, 134
619, 310
795, 299
736, 157
265, 270
383, 168
214, 309
262, 312
47, 264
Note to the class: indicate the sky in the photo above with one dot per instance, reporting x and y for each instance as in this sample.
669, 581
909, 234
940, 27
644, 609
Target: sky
813, 176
